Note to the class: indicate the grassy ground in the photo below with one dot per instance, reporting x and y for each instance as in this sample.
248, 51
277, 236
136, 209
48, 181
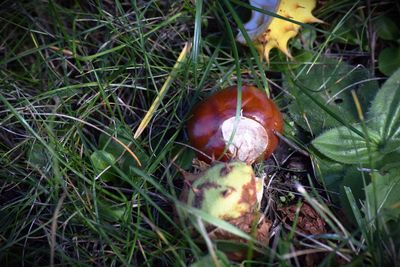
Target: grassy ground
77, 78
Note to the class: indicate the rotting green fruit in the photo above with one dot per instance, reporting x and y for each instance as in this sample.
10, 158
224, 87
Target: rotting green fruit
226, 190
231, 192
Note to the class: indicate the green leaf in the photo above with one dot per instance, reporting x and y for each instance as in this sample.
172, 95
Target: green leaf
307, 40
207, 261
183, 157
111, 212
384, 195
351, 31
384, 113
329, 81
106, 143
355, 210
336, 177
38, 156
386, 28
353, 180
391, 145
101, 161
224, 225
389, 161
299, 57
343, 145
331, 173
389, 60
124, 135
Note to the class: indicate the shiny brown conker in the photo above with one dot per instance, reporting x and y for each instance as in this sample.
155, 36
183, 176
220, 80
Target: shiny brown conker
213, 121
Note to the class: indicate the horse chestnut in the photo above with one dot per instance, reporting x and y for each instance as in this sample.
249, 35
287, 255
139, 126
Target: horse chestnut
214, 121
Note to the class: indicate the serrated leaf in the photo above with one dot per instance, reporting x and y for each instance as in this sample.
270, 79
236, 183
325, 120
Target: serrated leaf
329, 81
384, 195
389, 60
384, 113
343, 145
310, 117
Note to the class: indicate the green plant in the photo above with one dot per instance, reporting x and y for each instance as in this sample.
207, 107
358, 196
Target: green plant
371, 149
78, 187
371, 142
328, 81
389, 57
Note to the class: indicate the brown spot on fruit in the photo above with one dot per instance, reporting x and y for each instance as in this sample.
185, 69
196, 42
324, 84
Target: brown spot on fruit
225, 198
225, 170
227, 191
249, 193
198, 199
199, 193
208, 185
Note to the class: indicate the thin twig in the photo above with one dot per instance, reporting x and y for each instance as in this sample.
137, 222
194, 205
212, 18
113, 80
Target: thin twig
53, 233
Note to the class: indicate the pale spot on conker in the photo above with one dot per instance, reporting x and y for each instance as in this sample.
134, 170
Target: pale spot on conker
250, 139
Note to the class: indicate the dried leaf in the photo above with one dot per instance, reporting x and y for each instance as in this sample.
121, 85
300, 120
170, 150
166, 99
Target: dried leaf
308, 222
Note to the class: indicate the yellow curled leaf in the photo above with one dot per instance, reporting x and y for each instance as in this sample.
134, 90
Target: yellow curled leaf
268, 32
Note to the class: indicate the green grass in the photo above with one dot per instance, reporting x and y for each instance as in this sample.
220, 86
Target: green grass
77, 77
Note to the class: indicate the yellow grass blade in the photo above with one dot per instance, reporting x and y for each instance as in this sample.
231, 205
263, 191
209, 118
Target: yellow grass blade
163, 91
